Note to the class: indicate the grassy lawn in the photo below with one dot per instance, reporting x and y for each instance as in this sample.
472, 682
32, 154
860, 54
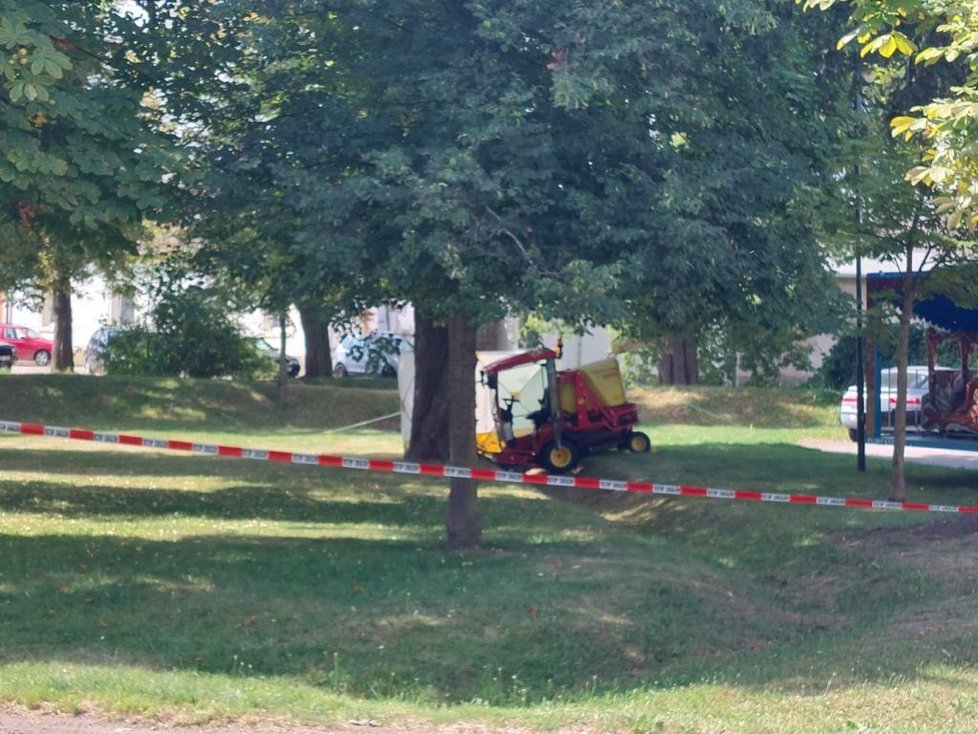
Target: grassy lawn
193, 589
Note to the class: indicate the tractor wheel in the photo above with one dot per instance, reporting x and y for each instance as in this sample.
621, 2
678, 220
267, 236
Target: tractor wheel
559, 460
638, 443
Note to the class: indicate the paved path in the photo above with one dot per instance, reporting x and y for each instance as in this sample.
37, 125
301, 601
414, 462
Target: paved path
916, 454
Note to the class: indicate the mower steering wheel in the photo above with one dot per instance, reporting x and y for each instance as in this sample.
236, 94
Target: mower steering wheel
507, 409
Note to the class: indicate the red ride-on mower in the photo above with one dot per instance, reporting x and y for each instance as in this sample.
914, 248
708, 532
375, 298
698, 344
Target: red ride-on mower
542, 417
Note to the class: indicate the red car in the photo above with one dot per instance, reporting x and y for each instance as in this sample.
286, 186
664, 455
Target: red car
29, 344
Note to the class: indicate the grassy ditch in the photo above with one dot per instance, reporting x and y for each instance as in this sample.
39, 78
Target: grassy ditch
190, 588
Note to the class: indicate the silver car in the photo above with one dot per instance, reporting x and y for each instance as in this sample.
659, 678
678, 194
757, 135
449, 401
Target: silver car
917, 388
376, 353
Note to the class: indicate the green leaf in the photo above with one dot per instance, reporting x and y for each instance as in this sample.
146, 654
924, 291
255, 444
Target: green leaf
14, 33
51, 63
904, 45
851, 36
945, 205
46, 67
929, 56
918, 175
902, 126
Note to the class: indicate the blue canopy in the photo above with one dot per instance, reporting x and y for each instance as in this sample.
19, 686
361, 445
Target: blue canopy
939, 311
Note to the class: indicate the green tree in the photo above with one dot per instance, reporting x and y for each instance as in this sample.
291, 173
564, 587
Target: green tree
484, 180
715, 217
892, 217
928, 33
276, 130
414, 146
81, 164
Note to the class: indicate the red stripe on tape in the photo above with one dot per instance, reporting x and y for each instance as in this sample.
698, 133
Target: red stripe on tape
32, 429
803, 499
484, 475
232, 452
180, 445
379, 465
130, 440
281, 456
855, 502
433, 470
744, 494
81, 435
333, 461
692, 491
916, 507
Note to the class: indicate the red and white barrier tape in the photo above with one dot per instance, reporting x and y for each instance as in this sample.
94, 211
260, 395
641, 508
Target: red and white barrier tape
488, 475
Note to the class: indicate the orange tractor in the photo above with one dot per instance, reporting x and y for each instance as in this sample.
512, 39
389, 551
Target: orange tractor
539, 416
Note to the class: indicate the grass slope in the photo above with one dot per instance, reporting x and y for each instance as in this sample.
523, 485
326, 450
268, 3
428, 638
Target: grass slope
194, 588
185, 404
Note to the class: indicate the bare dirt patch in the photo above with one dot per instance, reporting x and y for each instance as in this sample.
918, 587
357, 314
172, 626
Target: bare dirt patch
19, 720
947, 529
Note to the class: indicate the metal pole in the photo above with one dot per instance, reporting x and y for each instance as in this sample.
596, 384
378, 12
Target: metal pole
858, 103
860, 371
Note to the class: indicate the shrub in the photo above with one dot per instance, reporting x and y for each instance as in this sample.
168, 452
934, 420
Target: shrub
192, 334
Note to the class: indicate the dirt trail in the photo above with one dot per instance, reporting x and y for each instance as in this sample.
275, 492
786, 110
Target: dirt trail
17, 720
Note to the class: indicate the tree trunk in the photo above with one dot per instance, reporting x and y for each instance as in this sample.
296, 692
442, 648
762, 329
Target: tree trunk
463, 525
429, 416
315, 325
679, 364
64, 359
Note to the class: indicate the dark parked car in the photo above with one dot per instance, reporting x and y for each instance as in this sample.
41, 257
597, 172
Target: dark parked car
96, 345
8, 355
270, 352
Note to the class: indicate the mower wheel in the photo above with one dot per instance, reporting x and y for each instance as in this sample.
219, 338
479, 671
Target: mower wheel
559, 460
638, 443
